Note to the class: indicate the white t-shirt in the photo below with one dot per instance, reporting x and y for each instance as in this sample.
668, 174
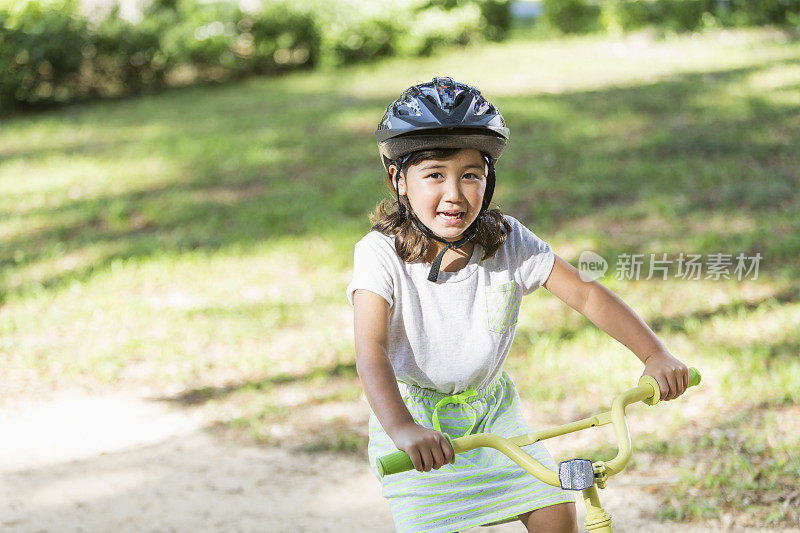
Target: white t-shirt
454, 334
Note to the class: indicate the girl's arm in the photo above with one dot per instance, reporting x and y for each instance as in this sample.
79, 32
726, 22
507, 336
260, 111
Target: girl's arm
426, 448
608, 312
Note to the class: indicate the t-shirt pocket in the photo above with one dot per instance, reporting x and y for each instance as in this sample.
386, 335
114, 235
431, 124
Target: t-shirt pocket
502, 306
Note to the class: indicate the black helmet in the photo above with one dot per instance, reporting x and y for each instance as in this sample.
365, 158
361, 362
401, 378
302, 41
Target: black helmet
440, 114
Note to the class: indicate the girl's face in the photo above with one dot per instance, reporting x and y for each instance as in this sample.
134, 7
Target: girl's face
446, 194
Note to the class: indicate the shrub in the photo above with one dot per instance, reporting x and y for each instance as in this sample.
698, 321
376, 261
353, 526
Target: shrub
572, 16
279, 38
359, 30
122, 56
436, 26
204, 35
681, 15
41, 49
758, 12
221, 36
497, 15
56, 54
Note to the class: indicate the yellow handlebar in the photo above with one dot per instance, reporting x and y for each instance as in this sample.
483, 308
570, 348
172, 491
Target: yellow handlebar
647, 391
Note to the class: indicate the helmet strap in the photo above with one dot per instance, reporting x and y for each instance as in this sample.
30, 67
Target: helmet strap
490, 180
399, 166
472, 230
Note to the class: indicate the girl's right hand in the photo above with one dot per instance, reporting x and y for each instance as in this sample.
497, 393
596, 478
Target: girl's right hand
428, 449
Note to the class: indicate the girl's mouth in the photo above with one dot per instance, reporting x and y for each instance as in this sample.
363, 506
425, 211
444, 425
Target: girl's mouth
450, 217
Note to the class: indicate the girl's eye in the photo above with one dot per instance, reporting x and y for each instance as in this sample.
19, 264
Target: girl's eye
468, 175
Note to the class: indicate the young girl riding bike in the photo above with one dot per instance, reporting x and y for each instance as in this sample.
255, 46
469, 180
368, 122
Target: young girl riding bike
436, 291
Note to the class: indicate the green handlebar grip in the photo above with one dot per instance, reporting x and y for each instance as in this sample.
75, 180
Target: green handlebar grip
399, 461
694, 377
394, 463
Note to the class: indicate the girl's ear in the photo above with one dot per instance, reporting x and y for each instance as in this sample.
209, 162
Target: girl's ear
399, 185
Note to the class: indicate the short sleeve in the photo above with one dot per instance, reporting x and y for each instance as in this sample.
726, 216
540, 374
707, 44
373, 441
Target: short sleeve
372, 271
535, 258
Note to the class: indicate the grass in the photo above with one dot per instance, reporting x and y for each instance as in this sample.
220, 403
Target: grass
199, 242
750, 465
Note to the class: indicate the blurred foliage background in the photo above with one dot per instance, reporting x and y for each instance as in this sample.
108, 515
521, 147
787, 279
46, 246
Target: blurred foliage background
56, 53
195, 237
61, 50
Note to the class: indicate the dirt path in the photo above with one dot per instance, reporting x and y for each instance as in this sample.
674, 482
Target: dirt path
76, 462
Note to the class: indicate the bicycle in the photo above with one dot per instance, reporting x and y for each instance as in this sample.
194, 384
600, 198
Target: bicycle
575, 474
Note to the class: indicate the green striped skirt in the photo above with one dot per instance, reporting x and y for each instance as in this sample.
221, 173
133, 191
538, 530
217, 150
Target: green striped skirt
482, 486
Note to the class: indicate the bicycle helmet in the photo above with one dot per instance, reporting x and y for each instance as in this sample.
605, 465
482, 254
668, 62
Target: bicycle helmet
442, 114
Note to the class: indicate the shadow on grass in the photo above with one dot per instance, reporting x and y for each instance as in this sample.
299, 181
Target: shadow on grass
262, 160
679, 323
202, 395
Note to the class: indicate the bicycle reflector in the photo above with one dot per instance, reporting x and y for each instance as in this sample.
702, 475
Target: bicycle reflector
576, 474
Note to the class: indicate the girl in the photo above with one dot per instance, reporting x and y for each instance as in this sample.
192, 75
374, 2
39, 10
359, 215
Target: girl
436, 291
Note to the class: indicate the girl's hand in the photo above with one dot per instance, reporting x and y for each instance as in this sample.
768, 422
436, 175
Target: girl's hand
672, 375
428, 449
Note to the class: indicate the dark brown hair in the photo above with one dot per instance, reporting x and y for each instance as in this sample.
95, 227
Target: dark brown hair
411, 244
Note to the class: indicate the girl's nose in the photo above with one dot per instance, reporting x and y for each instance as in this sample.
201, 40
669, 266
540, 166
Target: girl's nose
453, 190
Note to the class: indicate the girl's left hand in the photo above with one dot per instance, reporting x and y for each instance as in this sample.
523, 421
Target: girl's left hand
672, 375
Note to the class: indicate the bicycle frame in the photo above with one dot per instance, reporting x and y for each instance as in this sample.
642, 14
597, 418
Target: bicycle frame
597, 519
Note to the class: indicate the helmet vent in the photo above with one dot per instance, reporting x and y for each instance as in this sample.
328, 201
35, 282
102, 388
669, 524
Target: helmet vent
408, 106
482, 106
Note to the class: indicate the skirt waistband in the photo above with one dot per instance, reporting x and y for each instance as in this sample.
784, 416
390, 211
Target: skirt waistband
435, 395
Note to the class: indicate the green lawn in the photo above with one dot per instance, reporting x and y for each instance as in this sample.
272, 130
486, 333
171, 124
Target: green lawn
200, 240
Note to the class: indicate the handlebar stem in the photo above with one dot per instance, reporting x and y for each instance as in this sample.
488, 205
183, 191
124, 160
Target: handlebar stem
648, 388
